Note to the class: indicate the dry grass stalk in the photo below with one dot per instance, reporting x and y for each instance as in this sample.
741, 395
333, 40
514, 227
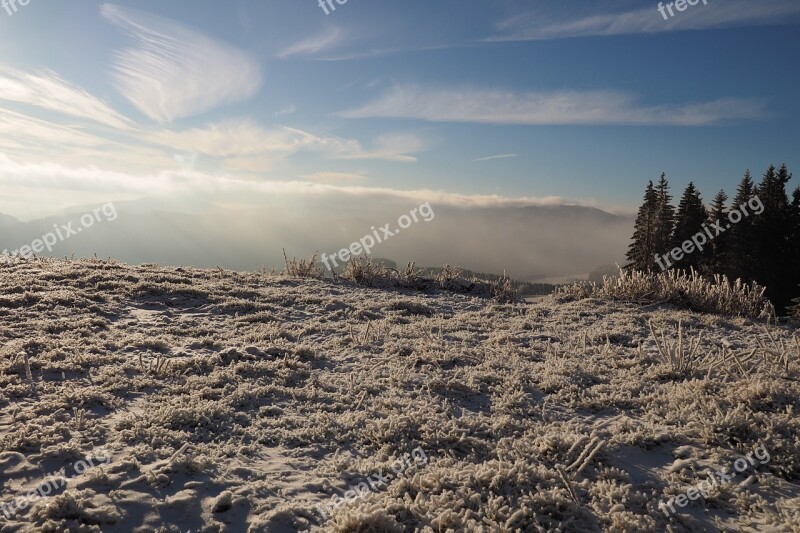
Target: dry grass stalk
568, 484
680, 357
583, 460
778, 352
686, 290
156, 366
301, 268
370, 334
28, 373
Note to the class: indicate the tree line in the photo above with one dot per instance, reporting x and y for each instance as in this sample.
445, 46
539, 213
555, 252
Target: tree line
756, 237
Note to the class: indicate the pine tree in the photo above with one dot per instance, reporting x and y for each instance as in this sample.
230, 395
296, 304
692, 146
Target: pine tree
792, 235
641, 252
796, 201
745, 190
717, 258
772, 191
796, 241
665, 218
741, 235
772, 243
690, 218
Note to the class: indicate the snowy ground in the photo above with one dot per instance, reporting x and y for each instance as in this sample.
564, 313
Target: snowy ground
204, 400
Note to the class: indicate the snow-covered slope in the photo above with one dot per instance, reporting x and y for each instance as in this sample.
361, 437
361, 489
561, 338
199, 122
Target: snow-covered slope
206, 400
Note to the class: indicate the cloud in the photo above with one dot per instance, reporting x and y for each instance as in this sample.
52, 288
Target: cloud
19, 131
499, 156
377, 52
541, 25
43, 187
36, 141
240, 147
244, 139
547, 108
230, 138
314, 44
286, 110
389, 147
333, 177
47, 90
174, 71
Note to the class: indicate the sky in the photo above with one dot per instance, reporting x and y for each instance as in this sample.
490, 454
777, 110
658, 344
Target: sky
495, 102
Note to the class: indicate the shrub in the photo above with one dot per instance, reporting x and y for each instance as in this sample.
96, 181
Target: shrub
301, 268
689, 291
795, 309
450, 279
369, 274
503, 291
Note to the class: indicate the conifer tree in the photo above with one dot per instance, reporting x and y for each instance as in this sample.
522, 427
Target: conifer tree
741, 236
717, 256
772, 244
689, 221
796, 241
796, 201
665, 218
793, 233
641, 252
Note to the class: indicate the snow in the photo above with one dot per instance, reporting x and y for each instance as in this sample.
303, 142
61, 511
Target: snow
230, 401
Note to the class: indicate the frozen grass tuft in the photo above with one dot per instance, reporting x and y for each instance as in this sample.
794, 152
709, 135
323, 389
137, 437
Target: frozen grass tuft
503, 291
682, 357
301, 268
784, 353
368, 274
687, 291
450, 279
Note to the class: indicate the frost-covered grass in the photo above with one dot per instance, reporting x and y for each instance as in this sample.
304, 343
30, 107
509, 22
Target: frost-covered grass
450, 279
687, 290
231, 401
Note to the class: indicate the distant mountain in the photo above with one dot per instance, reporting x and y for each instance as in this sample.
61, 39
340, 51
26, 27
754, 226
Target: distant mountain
144, 206
7, 221
529, 243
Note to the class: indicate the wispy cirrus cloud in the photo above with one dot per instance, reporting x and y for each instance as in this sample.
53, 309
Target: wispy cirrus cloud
493, 157
66, 185
244, 139
314, 44
21, 131
39, 141
286, 110
541, 24
229, 138
45, 89
333, 177
390, 147
547, 108
174, 71
378, 52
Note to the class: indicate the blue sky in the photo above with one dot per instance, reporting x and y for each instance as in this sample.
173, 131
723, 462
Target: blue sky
481, 102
